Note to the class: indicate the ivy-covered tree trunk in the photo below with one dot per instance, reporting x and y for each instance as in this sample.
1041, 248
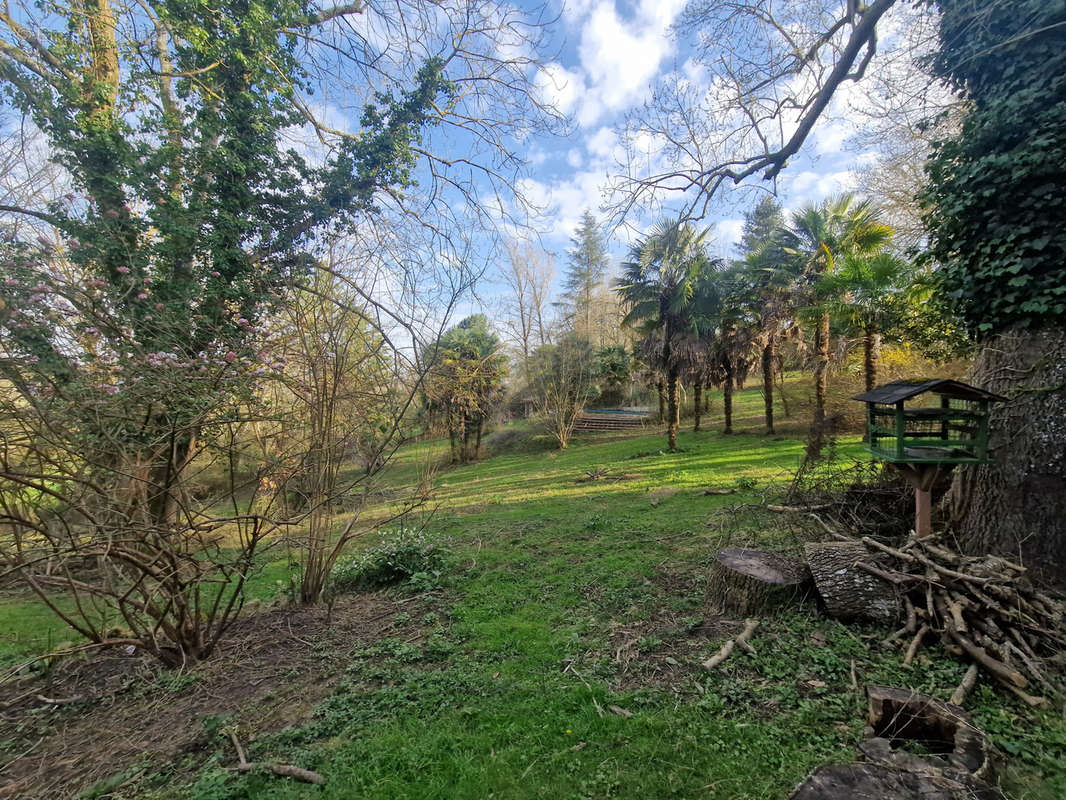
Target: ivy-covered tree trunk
697, 405
768, 384
1017, 506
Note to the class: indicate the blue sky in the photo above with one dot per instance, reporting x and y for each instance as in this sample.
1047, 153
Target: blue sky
611, 52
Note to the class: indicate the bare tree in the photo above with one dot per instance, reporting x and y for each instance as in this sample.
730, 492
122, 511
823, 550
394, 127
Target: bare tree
769, 73
528, 274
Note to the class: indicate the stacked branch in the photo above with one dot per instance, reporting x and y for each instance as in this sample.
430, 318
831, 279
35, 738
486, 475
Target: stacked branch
984, 609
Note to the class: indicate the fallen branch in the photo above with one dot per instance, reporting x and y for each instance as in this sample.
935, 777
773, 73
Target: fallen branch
727, 649
281, 770
797, 509
59, 701
912, 649
969, 680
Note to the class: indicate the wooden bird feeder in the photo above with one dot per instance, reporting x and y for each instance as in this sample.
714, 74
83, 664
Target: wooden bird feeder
925, 428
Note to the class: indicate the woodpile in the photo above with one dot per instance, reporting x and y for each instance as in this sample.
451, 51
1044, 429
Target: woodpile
982, 609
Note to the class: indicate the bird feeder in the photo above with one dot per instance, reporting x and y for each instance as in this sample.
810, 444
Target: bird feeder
923, 429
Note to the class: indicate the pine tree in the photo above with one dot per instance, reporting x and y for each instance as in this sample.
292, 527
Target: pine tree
587, 267
760, 224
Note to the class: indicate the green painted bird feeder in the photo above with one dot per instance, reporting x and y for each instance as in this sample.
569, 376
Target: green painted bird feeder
925, 428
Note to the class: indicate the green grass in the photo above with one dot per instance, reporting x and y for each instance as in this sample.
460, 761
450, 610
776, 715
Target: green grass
510, 694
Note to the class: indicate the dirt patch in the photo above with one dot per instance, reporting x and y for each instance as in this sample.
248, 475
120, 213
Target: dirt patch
270, 672
663, 649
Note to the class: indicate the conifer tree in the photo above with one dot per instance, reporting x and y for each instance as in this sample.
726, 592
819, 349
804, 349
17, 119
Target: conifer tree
586, 269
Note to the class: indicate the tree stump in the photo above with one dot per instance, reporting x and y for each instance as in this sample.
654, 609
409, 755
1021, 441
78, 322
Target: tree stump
747, 581
851, 781
848, 591
899, 715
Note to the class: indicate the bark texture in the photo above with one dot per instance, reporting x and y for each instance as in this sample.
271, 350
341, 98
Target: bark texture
1017, 505
871, 351
672, 409
848, 591
747, 581
768, 383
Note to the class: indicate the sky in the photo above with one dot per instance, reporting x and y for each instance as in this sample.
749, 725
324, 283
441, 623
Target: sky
610, 54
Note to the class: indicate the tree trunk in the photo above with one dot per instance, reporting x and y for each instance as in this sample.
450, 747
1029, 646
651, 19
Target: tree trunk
477, 440
1017, 505
871, 351
816, 440
780, 369
768, 384
671, 409
464, 438
821, 367
661, 390
697, 405
727, 397
452, 443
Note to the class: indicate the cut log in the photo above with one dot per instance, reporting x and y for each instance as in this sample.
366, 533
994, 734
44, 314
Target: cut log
744, 581
848, 591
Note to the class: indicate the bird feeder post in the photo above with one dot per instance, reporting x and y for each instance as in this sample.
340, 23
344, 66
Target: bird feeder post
926, 442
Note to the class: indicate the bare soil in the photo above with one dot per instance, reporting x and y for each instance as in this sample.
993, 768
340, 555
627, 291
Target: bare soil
103, 715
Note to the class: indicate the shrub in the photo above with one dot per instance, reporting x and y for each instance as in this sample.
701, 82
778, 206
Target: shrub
401, 554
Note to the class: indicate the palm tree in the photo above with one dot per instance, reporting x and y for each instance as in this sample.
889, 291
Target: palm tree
817, 237
665, 291
732, 340
865, 293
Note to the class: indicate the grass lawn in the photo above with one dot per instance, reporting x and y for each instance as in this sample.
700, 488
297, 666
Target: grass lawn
559, 656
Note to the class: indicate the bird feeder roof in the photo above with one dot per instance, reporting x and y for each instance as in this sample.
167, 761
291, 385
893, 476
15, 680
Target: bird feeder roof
898, 391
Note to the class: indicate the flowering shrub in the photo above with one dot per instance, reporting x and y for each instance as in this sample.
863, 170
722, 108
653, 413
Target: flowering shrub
402, 553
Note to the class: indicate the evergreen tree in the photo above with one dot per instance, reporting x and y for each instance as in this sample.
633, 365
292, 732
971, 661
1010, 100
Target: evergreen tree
760, 224
586, 269
768, 296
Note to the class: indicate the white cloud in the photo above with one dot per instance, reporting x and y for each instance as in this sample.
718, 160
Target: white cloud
727, 233
604, 145
620, 56
559, 87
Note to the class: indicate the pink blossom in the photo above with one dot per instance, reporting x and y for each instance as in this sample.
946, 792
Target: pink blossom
92, 330
230, 357
158, 305
11, 282
111, 213
142, 296
216, 273
122, 270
